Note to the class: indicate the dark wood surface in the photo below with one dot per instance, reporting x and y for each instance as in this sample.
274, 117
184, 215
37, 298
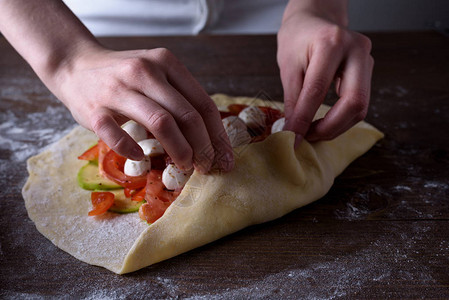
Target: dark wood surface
381, 232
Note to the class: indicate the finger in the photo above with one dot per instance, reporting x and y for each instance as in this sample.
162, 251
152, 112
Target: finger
292, 81
184, 82
318, 78
190, 123
354, 88
107, 129
162, 125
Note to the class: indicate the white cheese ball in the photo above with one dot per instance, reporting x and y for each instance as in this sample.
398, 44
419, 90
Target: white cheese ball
151, 147
137, 168
174, 178
237, 131
253, 117
278, 125
136, 131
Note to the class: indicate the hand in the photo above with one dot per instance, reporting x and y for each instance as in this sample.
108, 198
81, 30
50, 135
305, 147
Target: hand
103, 89
313, 51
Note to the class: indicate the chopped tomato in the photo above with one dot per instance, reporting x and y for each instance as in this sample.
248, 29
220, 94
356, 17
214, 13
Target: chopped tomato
154, 182
90, 154
262, 136
168, 196
157, 197
225, 114
272, 114
138, 196
101, 202
235, 109
130, 192
113, 169
152, 210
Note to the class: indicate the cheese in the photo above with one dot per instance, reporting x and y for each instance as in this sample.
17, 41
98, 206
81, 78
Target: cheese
151, 147
174, 178
237, 131
136, 131
137, 168
278, 125
253, 117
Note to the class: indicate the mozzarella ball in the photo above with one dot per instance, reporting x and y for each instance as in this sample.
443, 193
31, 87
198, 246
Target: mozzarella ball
151, 147
237, 131
253, 117
136, 131
278, 125
174, 178
137, 168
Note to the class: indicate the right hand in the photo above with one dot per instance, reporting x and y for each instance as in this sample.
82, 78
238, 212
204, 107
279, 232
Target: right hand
104, 88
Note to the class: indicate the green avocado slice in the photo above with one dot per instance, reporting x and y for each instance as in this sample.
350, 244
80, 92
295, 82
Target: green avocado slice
89, 178
123, 204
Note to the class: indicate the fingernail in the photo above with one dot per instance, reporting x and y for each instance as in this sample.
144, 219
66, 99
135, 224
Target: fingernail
136, 154
298, 140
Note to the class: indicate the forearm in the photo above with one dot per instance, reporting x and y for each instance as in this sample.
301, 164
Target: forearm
45, 33
332, 10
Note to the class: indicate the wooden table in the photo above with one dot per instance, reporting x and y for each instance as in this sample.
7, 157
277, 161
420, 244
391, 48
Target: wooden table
381, 232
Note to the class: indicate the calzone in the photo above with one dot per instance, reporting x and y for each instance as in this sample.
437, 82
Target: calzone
269, 180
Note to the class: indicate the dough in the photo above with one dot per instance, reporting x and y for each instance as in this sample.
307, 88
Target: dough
269, 180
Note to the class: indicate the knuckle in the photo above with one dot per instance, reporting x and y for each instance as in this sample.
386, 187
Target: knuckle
316, 89
364, 43
191, 118
120, 145
333, 36
183, 156
159, 121
133, 66
113, 88
164, 54
100, 124
208, 107
301, 126
358, 106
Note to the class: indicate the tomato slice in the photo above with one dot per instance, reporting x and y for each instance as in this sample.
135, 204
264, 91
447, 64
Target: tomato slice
101, 202
113, 169
90, 154
102, 150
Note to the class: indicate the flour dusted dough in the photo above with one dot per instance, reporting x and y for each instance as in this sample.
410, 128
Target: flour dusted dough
269, 180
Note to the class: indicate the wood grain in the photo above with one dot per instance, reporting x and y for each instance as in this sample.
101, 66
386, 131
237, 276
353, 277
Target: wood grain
381, 232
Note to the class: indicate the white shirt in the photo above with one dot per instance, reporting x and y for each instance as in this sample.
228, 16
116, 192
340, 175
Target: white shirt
178, 17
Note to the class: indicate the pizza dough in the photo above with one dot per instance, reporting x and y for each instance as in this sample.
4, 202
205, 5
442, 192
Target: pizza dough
269, 180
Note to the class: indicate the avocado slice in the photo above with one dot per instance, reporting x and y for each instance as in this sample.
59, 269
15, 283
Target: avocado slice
89, 178
123, 204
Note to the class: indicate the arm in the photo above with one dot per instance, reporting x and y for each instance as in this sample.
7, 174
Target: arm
314, 49
104, 88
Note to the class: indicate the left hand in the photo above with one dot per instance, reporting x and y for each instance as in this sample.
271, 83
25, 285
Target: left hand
312, 53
